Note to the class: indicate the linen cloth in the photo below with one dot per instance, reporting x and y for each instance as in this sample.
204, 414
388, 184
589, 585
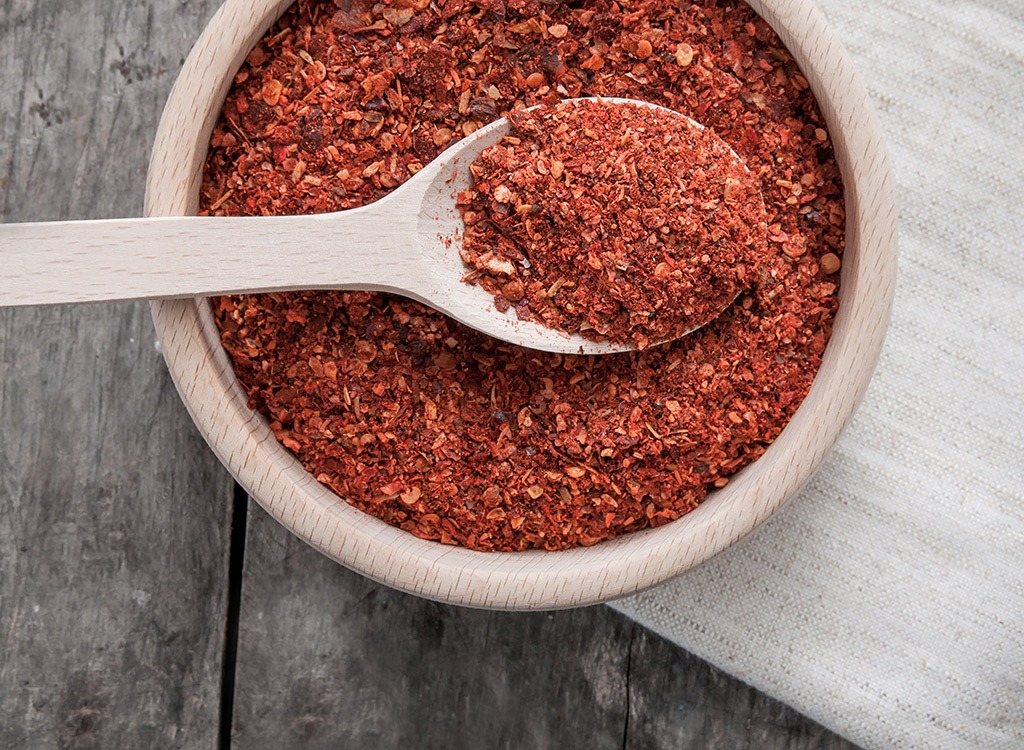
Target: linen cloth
886, 600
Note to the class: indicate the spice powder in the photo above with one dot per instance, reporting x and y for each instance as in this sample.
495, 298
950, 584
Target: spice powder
616, 221
461, 438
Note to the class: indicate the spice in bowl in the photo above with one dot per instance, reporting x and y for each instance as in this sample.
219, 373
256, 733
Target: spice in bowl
460, 438
614, 220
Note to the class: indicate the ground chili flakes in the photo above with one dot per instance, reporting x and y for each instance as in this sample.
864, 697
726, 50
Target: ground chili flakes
615, 221
461, 438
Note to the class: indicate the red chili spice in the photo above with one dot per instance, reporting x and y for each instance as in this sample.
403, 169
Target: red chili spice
615, 221
460, 438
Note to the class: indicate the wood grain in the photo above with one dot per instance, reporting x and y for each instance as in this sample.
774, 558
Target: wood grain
112, 511
329, 659
112, 539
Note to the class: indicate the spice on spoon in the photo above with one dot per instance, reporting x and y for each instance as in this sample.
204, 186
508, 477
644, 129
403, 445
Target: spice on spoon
613, 220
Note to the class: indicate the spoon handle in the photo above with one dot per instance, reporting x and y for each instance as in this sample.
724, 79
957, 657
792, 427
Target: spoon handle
120, 259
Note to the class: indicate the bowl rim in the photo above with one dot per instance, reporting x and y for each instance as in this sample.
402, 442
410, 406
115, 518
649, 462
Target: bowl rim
534, 579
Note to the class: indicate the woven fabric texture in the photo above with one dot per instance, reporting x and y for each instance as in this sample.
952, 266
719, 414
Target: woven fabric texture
886, 600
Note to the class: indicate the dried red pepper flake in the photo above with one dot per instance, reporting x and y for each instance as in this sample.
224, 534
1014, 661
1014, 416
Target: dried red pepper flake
643, 230
376, 390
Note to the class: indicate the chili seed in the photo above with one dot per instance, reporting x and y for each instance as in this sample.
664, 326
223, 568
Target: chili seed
684, 55
830, 263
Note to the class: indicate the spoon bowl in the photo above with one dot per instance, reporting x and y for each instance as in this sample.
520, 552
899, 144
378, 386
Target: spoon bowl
440, 229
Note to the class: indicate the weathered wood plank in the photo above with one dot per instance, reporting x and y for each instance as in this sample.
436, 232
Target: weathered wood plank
112, 539
328, 659
114, 516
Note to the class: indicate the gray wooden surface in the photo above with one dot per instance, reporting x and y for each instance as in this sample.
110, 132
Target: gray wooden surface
132, 616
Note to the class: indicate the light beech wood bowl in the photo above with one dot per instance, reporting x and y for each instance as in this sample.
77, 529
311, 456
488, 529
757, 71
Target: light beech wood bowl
530, 580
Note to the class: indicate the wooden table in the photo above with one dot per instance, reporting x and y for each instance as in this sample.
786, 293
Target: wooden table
146, 602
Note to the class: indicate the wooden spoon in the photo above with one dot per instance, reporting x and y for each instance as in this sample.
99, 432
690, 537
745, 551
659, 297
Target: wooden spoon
406, 243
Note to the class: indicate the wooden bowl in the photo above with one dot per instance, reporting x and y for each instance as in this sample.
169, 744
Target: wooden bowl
536, 579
